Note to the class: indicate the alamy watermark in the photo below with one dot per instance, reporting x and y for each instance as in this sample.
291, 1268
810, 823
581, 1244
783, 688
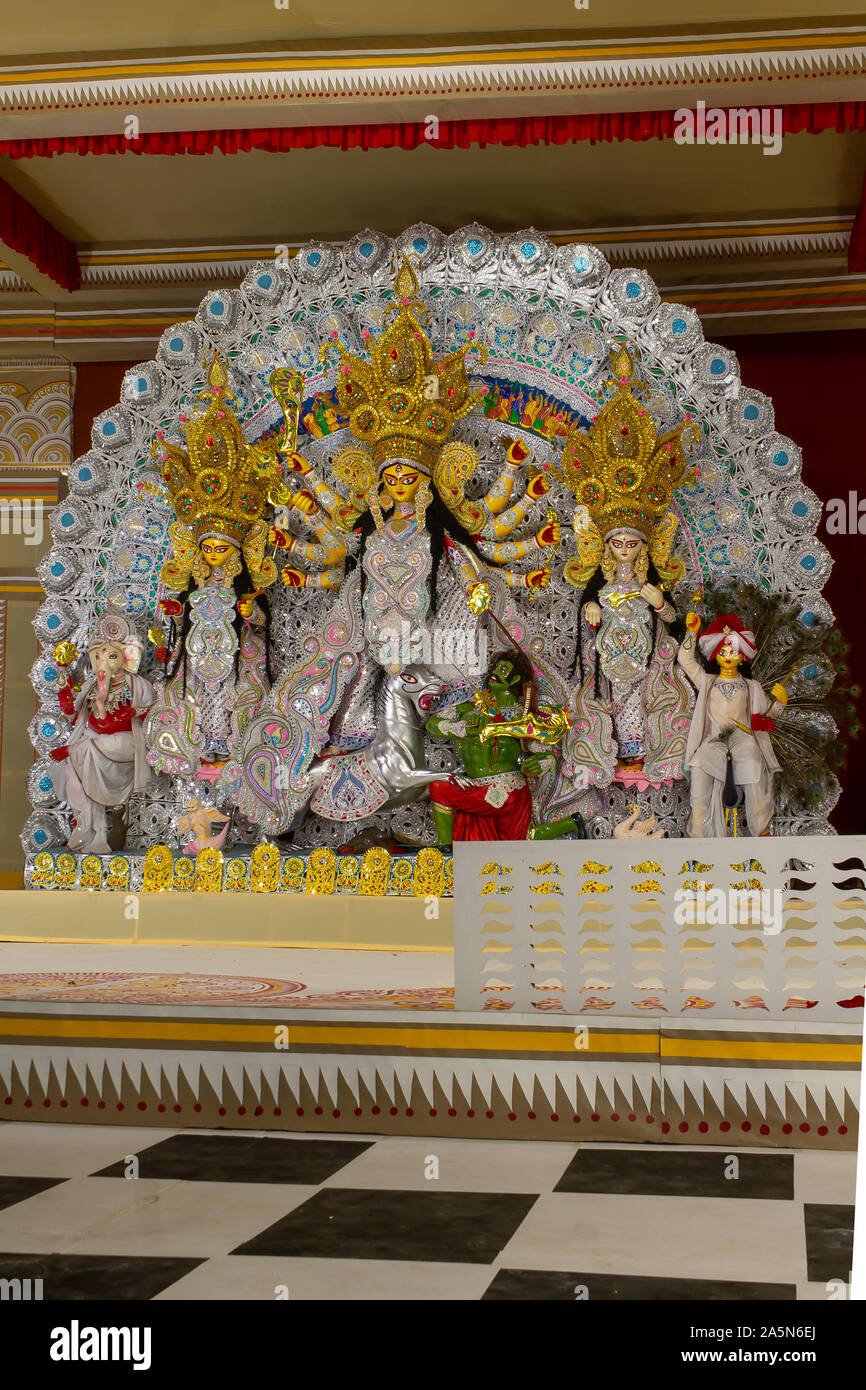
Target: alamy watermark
735, 125
22, 516
436, 647
713, 907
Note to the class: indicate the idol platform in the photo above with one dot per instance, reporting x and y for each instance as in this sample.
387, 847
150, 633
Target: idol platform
354, 1013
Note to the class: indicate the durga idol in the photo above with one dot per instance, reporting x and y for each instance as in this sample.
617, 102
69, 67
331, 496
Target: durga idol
400, 544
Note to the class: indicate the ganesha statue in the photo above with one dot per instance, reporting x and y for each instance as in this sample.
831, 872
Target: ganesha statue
104, 759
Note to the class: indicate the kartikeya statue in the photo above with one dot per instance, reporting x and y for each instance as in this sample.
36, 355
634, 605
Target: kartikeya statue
729, 755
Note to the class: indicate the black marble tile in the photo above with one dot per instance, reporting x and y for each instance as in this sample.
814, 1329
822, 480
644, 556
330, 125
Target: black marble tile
349, 1224
226, 1158
669, 1173
102, 1277
554, 1286
829, 1240
14, 1190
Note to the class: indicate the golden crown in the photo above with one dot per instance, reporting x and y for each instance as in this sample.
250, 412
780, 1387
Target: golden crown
219, 483
621, 468
403, 403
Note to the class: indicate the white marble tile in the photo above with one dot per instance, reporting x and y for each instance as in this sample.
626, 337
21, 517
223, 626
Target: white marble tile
240, 1277
69, 1151
824, 1177
61, 1216
194, 1218
696, 1237
463, 1165
811, 1291
146, 1216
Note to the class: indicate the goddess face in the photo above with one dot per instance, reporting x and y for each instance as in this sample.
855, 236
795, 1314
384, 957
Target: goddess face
401, 481
626, 548
216, 551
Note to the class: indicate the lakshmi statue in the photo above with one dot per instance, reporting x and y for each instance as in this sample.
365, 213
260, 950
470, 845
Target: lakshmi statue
633, 700
216, 653
401, 546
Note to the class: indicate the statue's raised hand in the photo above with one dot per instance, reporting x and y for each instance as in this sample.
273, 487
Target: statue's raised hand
592, 614
652, 595
549, 534
537, 487
693, 623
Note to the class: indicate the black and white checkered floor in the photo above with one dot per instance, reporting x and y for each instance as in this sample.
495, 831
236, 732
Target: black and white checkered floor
108, 1212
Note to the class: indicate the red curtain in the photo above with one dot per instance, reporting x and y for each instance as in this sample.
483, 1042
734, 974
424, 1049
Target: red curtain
610, 126
25, 230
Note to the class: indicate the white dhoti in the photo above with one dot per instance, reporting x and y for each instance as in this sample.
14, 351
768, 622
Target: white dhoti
100, 773
708, 773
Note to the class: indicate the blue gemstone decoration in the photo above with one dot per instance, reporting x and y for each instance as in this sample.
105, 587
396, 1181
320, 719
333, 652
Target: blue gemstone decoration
419, 245
581, 263
809, 619
85, 475
141, 384
47, 730
265, 281
366, 249
474, 245
810, 672
40, 837
50, 673
45, 784
528, 250
780, 458
314, 258
800, 509
217, 307
67, 519
109, 427
751, 412
633, 290
808, 562
718, 366
679, 325
53, 622
176, 344
57, 569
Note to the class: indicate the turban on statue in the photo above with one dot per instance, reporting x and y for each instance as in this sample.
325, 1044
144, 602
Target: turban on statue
728, 628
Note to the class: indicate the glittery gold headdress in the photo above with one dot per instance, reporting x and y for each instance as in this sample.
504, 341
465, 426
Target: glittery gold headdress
219, 483
621, 469
403, 403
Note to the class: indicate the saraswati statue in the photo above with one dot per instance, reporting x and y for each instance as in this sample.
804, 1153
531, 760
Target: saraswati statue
633, 703
400, 545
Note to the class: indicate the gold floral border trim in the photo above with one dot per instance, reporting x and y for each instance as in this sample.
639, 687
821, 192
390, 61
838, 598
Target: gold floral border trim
321, 872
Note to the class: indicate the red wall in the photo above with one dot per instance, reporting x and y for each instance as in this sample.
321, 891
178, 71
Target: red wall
814, 381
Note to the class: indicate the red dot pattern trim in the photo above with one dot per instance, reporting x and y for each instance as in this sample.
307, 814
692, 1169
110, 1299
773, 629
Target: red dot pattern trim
683, 1126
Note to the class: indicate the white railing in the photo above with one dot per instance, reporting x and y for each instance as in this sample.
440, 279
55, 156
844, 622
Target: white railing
771, 928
